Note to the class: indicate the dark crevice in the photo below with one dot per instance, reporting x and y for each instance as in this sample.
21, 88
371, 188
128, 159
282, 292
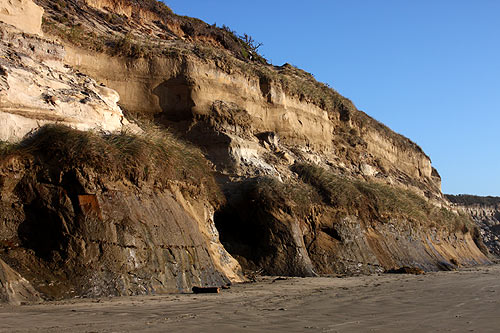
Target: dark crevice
332, 232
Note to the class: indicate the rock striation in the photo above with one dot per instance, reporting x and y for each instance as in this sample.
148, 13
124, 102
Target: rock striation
71, 225
37, 88
256, 123
485, 211
78, 222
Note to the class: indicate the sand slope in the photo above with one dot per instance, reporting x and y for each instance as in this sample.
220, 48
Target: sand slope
446, 301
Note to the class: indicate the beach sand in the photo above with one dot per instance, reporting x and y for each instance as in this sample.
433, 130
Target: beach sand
461, 301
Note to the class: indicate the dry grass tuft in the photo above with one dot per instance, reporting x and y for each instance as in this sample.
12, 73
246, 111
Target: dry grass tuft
375, 201
269, 193
155, 157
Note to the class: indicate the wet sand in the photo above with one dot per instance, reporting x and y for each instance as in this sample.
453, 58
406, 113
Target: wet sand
460, 301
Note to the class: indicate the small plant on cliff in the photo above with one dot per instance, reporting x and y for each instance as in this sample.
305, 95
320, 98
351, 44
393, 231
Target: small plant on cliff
128, 47
5, 147
252, 43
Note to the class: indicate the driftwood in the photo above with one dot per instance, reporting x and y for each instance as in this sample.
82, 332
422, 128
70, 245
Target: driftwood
406, 270
206, 290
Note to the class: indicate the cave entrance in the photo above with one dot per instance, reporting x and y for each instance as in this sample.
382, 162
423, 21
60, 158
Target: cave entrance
175, 98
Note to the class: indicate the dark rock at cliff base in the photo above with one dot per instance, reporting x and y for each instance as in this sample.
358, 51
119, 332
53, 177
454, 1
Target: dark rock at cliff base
340, 226
406, 270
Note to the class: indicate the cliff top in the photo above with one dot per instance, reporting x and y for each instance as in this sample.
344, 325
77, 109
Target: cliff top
148, 28
469, 200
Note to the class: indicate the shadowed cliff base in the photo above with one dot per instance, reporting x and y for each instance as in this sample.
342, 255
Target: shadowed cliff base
91, 214
327, 224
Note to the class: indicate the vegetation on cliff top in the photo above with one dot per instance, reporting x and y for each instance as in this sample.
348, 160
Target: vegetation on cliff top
180, 36
469, 200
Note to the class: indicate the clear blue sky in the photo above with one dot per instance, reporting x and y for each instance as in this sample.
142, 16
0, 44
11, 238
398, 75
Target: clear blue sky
428, 69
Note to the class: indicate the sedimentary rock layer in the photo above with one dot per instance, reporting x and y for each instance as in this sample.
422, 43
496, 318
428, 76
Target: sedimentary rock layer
79, 226
485, 211
37, 88
255, 120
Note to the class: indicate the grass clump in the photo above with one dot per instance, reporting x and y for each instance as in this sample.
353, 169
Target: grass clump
375, 201
126, 46
5, 147
155, 156
157, 7
268, 193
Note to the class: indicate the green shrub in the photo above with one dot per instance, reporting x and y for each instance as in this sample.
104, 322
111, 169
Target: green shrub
5, 147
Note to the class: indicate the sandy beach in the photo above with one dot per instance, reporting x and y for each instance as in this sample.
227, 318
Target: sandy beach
465, 300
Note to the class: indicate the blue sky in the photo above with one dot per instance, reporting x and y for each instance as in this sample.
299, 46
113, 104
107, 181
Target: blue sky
429, 70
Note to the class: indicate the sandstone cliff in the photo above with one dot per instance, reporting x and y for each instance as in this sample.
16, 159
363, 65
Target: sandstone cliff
36, 88
91, 215
101, 213
23, 14
310, 185
256, 122
196, 79
485, 211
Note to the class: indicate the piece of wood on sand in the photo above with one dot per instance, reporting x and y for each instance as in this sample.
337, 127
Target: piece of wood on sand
206, 290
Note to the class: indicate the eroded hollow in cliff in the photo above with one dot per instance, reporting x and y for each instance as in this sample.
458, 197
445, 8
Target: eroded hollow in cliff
175, 99
242, 230
43, 231
257, 227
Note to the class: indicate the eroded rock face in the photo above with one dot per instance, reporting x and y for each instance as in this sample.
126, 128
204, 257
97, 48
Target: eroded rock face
23, 14
226, 112
75, 232
251, 125
268, 233
485, 211
14, 289
182, 70
37, 89
186, 77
